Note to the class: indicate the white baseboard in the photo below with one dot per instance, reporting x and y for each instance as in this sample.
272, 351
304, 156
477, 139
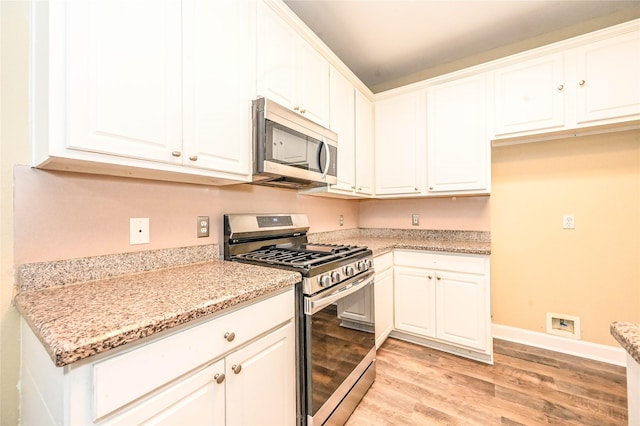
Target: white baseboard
593, 351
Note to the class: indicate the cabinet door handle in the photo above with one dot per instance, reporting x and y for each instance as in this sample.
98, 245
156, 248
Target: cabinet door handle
302, 111
219, 378
429, 276
561, 88
193, 158
581, 82
176, 153
237, 368
296, 108
438, 278
229, 336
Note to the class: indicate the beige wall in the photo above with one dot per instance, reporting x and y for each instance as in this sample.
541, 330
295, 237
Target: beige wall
593, 271
14, 148
69, 215
459, 213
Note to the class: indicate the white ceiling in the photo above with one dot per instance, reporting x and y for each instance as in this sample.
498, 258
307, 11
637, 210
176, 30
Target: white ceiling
389, 43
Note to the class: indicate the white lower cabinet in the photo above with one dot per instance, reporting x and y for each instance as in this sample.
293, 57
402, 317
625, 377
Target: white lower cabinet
199, 375
383, 297
443, 301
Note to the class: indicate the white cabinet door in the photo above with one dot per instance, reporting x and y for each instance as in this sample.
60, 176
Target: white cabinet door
607, 78
217, 93
343, 123
261, 381
197, 399
400, 129
458, 154
313, 84
290, 71
364, 145
461, 309
530, 95
414, 301
277, 53
124, 80
383, 305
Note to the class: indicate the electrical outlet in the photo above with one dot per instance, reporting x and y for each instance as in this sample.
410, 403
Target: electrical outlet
415, 219
568, 221
139, 230
203, 226
341, 220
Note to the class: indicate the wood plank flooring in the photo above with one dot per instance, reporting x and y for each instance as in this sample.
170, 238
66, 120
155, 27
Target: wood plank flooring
525, 386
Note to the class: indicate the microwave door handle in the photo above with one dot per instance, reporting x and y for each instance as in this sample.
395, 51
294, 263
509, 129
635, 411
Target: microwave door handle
327, 162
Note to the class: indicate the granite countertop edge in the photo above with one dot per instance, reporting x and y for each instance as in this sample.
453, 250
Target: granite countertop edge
74, 322
628, 335
382, 245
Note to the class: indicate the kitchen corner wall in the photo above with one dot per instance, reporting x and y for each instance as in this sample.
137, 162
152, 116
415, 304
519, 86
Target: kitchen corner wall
592, 271
68, 215
453, 213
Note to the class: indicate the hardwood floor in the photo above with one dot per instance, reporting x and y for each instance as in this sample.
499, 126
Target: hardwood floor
525, 386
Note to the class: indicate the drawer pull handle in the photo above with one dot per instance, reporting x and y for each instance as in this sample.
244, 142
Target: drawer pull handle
581, 82
438, 278
176, 153
429, 276
229, 336
237, 368
219, 378
193, 158
561, 88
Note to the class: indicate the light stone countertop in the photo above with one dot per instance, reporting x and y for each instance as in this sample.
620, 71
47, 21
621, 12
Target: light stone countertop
381, 241
84, 319
83, 307
381, 245
628, 335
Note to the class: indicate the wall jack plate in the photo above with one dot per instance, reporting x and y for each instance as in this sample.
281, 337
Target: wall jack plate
139, 230
415, 219
568, 221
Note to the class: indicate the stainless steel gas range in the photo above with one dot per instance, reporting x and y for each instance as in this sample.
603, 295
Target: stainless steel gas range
336, 352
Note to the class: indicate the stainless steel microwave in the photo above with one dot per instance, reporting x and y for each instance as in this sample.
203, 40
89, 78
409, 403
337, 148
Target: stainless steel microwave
290, 150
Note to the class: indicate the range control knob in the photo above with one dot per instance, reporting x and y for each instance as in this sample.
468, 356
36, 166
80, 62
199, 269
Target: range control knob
335, 276
362, 266
369, 263
324, 280
349, 271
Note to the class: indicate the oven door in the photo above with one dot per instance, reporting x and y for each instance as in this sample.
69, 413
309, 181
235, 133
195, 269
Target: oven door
339, 349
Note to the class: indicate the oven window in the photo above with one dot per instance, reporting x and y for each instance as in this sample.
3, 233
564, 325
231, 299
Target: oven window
341, 335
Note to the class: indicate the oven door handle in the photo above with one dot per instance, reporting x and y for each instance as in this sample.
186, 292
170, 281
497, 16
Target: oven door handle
316, 303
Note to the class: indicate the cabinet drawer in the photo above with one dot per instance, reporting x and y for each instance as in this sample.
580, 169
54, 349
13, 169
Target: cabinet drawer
473, 264
383, 262
126, 377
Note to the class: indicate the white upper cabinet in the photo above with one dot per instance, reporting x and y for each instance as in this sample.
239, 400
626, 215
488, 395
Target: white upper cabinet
400, 133
343, 123
529, 95
217, 99
593, 84
149, 101
607, 79
458, 156
364, 145
352, 120
290, 71
123, 87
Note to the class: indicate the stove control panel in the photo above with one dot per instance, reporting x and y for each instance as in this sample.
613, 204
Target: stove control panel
333, 277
